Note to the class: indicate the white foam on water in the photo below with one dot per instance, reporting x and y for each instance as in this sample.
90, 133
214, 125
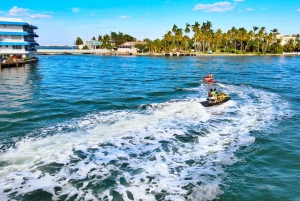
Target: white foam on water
176, 150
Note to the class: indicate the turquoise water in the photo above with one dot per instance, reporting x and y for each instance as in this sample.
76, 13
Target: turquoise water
132, 128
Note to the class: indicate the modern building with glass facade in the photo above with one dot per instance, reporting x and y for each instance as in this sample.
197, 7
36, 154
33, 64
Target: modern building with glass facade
17, 38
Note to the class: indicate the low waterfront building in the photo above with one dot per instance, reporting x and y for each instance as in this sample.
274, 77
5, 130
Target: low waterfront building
128, 47
91, 44
17, 38
285, 38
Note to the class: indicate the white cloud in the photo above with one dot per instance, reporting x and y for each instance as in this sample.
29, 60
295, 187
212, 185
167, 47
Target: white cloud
216, 7
240, 11
24, 12
75, 10
125, 17
298, 10
39, 16
15, 11
93, 14
249, 9
238, 0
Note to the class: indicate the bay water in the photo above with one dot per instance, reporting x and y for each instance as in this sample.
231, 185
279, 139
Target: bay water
87, 127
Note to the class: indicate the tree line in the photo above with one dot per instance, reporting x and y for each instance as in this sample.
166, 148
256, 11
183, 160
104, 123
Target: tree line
109, 41
202, 38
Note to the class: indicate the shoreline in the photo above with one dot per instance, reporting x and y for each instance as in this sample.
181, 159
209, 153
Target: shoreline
115, 53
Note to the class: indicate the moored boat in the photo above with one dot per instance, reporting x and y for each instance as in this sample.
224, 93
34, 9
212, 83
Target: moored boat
16, 62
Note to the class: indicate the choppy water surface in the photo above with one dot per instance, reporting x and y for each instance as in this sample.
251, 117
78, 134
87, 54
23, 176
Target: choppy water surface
133, 128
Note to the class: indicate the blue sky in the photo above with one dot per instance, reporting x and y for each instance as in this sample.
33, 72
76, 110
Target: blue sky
60, 22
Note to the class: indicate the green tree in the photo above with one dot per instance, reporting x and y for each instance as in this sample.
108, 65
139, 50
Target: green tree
168, 38
141, 48
218, 38
260, 35
270, 38
78, 41
289, 46
85, 47
227, 38
249, 38
186, 38
274, 31
243, 37
255, 28
196, 30
178, 38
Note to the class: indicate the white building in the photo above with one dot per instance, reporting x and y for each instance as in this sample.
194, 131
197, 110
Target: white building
91, 44
285, 39
128, 47
17, 37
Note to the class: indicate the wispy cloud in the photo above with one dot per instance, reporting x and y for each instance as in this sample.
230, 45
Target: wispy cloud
124, 17
75, 10
216, 7
24, 12
249, 9
39, 16
15, 11
238, 0
298, 10
240, 11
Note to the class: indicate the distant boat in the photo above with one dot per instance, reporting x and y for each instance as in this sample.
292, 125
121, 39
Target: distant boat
208, 80
16, 62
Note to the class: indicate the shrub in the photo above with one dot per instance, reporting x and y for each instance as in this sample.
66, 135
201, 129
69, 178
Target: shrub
85, 47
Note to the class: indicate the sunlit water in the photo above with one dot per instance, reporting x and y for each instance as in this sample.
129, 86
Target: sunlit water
132, 128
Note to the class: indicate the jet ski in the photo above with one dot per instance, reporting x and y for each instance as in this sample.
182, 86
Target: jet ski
222, 99
208, 80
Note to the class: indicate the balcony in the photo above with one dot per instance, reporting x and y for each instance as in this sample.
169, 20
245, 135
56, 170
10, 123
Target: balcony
11, 51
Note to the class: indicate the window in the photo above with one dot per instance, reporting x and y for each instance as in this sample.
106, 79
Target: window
17, 47
16, 37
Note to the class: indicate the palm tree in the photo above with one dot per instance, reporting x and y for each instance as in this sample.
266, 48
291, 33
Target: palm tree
206, 33
249, 38
243, 36
227, 38
186, 39
237, 37
255, 28
187, 28
218, 38
178, 36
260, 35
290, 46
274, 31
168, 37
174, 30
269, 39
196, 30
234, 37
